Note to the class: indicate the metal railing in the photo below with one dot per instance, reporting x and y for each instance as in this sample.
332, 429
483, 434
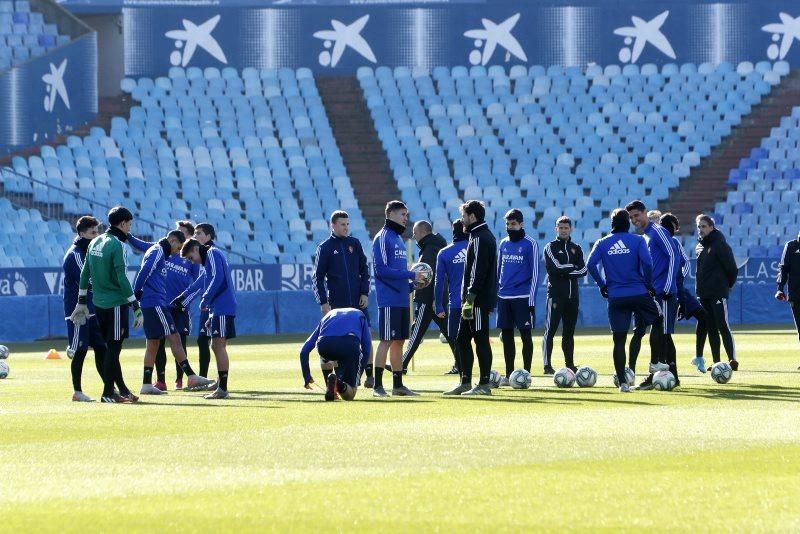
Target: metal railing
83, 205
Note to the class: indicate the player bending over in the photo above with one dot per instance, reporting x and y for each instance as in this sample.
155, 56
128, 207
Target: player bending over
220, 300
150, 289
342, 336
181, 273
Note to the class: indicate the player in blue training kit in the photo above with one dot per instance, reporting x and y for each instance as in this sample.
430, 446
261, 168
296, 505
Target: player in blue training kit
450, 274
639, 329
341, 273
341, 337
81, 337
219, 299
628, 284
149, 287
688, 304
181, 274
392, 288
205, 234
665, 255
518, 280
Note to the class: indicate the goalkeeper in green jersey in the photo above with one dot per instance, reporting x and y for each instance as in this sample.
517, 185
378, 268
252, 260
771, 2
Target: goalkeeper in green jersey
106, 269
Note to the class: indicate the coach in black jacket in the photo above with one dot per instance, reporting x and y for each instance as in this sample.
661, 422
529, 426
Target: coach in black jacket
429, 246
716, 274
790, 273
564, 262
478, 297
341, 275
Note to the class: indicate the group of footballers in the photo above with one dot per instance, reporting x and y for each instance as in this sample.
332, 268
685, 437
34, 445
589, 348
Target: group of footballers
640, 274
642, 277
98, 298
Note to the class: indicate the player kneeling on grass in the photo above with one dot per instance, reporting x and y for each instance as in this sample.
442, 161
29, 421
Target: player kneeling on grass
219, 299
342, 336
150, 289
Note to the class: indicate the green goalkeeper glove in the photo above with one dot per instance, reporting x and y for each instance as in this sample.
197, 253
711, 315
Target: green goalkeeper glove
468, 309
138, 317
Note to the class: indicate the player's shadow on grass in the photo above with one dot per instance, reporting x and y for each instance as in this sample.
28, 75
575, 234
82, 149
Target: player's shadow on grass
533, 398
746, 392
767, 372
290, 396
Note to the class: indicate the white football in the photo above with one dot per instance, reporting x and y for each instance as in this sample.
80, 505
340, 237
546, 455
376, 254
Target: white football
494, 379
426, 270
520, 379
564, 378
664, 381
629, 375
586, 377
4, 370
4, 352
721, 372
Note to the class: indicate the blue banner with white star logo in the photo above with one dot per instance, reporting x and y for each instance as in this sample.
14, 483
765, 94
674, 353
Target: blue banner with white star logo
339, 38
50, 95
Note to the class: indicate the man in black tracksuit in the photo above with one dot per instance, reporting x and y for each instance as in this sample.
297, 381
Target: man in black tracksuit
478, 297
716, 274
429, 246
564, 262
790, 273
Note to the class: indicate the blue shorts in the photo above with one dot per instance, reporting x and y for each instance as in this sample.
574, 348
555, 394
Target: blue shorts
84, 336
689, 302
453, 320
204, 315
669, 310
346, 352
223, 326
158, 322
620, 310
513, 313
183, 321
393, 323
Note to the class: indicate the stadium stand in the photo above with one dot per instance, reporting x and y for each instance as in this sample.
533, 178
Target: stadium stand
766, 185
24, 33
252, 153
43, 243
561, 140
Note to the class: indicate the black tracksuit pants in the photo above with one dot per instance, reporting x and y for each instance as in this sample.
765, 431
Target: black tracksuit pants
557, 309
718, 327
425, 313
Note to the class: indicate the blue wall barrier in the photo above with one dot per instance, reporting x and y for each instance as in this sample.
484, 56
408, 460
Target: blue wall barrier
49, 95
28, 281
25, 319
341, 38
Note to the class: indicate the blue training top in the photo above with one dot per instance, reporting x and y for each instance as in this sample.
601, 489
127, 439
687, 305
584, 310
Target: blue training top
518, 269
150, 285
338, 322
450, 271
392, 276
626, 263
665, 258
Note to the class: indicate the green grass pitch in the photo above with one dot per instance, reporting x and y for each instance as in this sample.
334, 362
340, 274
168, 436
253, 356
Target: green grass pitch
276, 457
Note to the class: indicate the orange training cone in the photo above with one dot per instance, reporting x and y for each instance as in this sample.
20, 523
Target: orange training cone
52, 354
